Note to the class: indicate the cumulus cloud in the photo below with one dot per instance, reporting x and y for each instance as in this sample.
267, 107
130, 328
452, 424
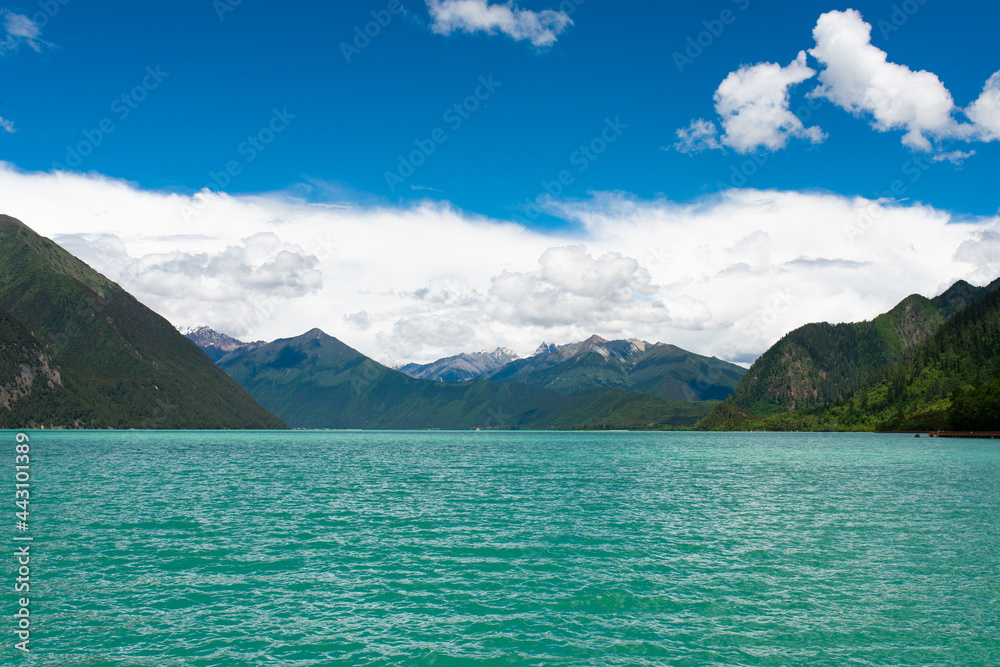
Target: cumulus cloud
412, 335
236, 288
726, 275
985, 111
698, 136
859, 78
7, 126
540, 28
20, 30
359, 319
983, 252
753, 103
260, 264
572, 287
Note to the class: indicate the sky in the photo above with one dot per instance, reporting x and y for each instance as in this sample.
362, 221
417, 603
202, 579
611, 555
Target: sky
421, 178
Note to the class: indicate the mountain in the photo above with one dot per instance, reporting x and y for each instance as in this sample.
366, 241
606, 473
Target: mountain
462, 367
316, 381
79, 351
950, 382
962, 295
821, 363
217, 345
899, 372
632, 365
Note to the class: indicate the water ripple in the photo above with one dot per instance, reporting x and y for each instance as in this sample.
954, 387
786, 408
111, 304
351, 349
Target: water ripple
308, 549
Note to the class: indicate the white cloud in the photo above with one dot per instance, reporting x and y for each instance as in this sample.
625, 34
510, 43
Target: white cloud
983, 252
413, 334
571, 287
359, 319
698, 136
540, 28
753, 103
985, 111
239, 286
20, 30
859, 78
726, 275
7, 126
955, 157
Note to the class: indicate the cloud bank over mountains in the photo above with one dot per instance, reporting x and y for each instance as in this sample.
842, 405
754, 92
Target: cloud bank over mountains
725, 276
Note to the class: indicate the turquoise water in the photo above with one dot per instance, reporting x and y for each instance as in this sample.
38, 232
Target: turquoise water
315, 548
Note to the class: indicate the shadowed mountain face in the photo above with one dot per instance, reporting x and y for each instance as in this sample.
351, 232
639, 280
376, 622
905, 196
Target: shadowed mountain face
79, 351
316, 381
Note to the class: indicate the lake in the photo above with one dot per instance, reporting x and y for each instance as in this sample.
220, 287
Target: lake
488, 548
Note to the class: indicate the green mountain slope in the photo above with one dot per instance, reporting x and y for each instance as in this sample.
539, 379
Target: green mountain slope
945, 381
597, 364
97, 357
316, 381
819, 364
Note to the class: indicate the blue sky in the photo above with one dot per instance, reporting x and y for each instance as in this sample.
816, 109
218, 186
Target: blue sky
353, 119
166, 97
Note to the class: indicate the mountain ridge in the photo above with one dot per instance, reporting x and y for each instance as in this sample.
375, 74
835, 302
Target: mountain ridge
868, 367
316, 381
461, 367
216, 344
632, 365
83, 352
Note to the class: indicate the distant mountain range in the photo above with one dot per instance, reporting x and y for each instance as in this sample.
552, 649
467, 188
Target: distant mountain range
316, 381
461, 368
79, 351
596, 364
217, 345
631, 365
